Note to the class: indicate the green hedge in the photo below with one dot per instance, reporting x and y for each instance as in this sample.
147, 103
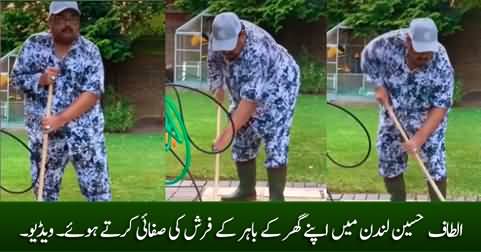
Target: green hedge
119, 113
458, 92
313, 75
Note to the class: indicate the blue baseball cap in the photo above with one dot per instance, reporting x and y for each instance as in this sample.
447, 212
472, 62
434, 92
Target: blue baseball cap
58, 6
225, 31
424, 35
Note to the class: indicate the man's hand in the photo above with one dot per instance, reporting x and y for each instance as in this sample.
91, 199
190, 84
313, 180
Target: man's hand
434, 119
84, 103
219, 95
48, 77
223, 140
240, 117
382, 96
414, 144
53, 123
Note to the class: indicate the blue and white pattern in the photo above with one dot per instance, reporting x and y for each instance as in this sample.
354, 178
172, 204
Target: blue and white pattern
413, 95
266, 74
81, 140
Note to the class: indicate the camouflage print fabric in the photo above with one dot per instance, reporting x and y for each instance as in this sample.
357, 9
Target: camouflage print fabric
265, 74
413, 95
81, 140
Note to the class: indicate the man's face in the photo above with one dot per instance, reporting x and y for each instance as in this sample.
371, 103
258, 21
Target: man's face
65, 26
235, 53
416, 58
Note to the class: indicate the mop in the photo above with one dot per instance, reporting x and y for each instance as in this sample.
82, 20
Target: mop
217, 158
43, 161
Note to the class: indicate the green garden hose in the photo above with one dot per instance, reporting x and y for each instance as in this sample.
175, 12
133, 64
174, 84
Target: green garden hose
176, 131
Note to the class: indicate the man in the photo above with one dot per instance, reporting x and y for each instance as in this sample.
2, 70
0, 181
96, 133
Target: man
412, 72
63, 58
263, 81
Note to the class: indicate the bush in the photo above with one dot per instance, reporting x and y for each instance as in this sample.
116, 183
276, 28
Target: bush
313, 75
458, 92
271, 14
119, 113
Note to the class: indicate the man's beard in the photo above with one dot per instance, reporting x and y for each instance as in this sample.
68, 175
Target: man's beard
66, 36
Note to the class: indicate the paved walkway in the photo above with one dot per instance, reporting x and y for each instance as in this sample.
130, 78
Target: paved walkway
186, 191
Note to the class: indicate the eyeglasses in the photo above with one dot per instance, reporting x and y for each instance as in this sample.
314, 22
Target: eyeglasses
61, 20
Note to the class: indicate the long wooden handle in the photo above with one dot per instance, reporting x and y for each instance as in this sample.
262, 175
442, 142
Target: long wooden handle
43, 162
416, 154
217, 157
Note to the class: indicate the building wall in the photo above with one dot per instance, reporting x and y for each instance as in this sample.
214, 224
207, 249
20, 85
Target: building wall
140, 79
173, 19
464, 49
298, 34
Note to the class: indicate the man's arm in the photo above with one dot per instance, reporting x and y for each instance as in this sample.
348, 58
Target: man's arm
240, 117
434, 119
373, 61
215, 76
25, 76
251, 96
219, 95
441, 101
83, 104
372, 64
382, 96
242, 114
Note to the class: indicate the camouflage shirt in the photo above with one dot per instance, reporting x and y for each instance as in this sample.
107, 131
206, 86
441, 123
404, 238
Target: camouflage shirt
265, 73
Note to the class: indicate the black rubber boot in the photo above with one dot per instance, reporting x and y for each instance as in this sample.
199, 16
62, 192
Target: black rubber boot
246, 191
442, 186
396, 187
277, 183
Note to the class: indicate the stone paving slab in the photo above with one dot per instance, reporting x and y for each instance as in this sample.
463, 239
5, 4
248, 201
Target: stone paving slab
360, 197
290, 193
422, 197
347, 197
384, 197
295, 191
372, 197
185, 191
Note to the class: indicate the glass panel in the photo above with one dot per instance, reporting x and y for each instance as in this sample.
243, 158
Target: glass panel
192, 51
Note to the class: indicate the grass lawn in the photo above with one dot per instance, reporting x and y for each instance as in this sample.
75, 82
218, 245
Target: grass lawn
135, 163
305, 151
346, 142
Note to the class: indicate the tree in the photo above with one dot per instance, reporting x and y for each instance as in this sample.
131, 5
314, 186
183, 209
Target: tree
338, 10
270, 14
370, 17
466, 4
112, 25
18, 21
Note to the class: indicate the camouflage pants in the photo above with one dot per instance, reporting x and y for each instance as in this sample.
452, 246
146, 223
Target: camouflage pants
89, 161
247, 141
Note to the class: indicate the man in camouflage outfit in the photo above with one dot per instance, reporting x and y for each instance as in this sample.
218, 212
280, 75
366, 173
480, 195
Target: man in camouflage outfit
412, 72
63, 58
263, 81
